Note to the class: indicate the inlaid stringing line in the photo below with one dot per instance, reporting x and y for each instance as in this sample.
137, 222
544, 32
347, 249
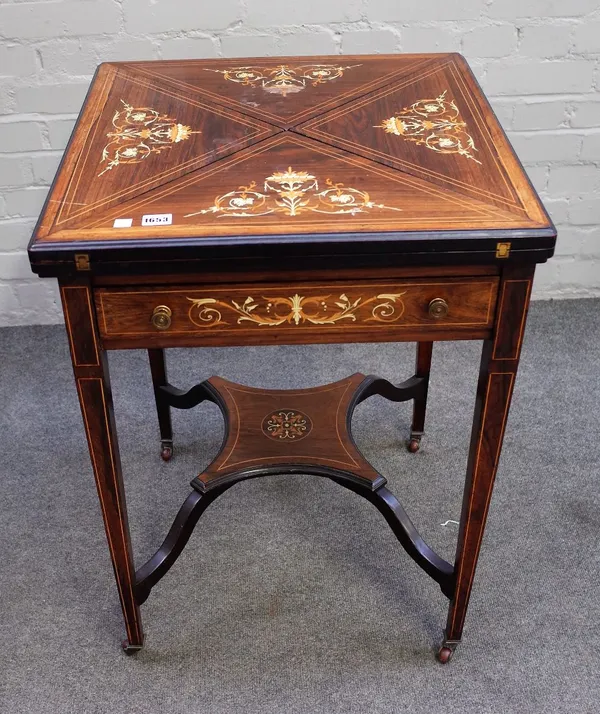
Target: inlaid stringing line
279, 458
70, 329
237, 427
476, 478
483, 128
337, 423
117, 494
101, 98
100, 493
286, 392
523, 317
103, 311
492, 294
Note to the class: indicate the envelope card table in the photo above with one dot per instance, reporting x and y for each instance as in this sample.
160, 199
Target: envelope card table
291, 201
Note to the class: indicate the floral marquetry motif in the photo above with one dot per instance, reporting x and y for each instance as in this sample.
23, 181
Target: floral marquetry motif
297, 310
291, 425
435, 123
292, 193
138, 133
284, 79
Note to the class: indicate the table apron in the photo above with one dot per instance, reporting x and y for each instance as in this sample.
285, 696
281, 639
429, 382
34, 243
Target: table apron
297, 313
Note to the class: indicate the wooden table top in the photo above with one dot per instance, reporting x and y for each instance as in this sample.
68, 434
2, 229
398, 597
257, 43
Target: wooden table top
389, 154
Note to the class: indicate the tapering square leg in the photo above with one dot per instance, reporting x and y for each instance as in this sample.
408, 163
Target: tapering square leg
422, 369
498, 370
93, 387
158, 369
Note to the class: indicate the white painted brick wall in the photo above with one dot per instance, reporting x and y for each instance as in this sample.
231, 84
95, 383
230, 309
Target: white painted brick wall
538, 60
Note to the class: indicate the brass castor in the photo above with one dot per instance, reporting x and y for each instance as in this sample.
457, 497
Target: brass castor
166, 451
129, 649
444, 654
414, 444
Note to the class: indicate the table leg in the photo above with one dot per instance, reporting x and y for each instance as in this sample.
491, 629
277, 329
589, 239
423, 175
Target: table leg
498, 369
158, 368
93, 387
422, 369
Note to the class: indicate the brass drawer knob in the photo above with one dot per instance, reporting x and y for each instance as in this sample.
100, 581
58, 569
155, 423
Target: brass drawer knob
438, 308
161, 317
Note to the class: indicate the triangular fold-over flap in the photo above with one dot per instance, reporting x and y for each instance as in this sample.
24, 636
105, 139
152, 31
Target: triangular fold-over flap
429, 124
283, 91
292, 185
146, 136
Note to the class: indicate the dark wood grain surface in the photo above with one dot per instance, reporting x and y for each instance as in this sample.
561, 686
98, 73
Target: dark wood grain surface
267, 428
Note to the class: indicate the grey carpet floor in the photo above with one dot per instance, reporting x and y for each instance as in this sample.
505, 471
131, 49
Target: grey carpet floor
293, 595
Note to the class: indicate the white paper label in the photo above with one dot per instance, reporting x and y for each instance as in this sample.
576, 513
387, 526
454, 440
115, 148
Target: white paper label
123, 223
157, 219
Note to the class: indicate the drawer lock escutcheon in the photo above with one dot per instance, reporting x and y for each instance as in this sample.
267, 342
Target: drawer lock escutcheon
161, 317
438, 308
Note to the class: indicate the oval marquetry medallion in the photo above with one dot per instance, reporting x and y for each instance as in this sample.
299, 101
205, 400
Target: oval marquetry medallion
286, 425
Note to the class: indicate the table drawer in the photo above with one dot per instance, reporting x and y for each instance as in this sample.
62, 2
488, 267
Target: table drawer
269, 314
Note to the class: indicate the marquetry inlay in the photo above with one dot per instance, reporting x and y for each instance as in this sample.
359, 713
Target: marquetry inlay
398, 152
296, 310
434, 123
286, 424
292, 193
284, 79
138, 133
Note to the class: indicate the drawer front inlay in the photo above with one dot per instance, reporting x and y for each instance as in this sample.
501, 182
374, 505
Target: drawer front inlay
296, 310
284, 309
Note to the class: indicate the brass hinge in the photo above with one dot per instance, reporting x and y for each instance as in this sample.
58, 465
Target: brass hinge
82, 261
502, 250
